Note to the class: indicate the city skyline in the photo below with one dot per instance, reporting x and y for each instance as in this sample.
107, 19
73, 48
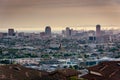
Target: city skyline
34, 15
78, 28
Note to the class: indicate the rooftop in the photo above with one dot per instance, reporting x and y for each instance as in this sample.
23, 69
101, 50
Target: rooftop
108, 70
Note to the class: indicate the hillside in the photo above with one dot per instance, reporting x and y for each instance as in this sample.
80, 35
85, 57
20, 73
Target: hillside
18, 72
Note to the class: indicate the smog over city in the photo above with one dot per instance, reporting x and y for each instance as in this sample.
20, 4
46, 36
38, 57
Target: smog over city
36, 14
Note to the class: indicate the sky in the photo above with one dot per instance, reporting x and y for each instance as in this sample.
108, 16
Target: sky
34, 15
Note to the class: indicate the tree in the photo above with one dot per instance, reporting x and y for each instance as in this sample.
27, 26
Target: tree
76, 67
71, 67
5, 62
65, 67
0, 51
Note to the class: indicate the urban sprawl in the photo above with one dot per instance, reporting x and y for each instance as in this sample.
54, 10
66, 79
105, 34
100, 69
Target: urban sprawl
48, 51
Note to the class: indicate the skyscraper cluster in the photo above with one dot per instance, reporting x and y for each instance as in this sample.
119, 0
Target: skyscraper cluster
98, 35
68, 32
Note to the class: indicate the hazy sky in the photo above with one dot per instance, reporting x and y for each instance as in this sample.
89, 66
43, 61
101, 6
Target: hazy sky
36, 14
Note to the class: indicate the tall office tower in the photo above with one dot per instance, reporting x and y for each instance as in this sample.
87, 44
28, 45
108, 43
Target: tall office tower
98, 33
68, 32
1, 35
11, 32
63, 33
48, 30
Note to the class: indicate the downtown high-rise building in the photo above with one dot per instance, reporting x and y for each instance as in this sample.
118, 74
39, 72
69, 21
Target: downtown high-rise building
98, 33
68, 32
48, 30
11, 32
